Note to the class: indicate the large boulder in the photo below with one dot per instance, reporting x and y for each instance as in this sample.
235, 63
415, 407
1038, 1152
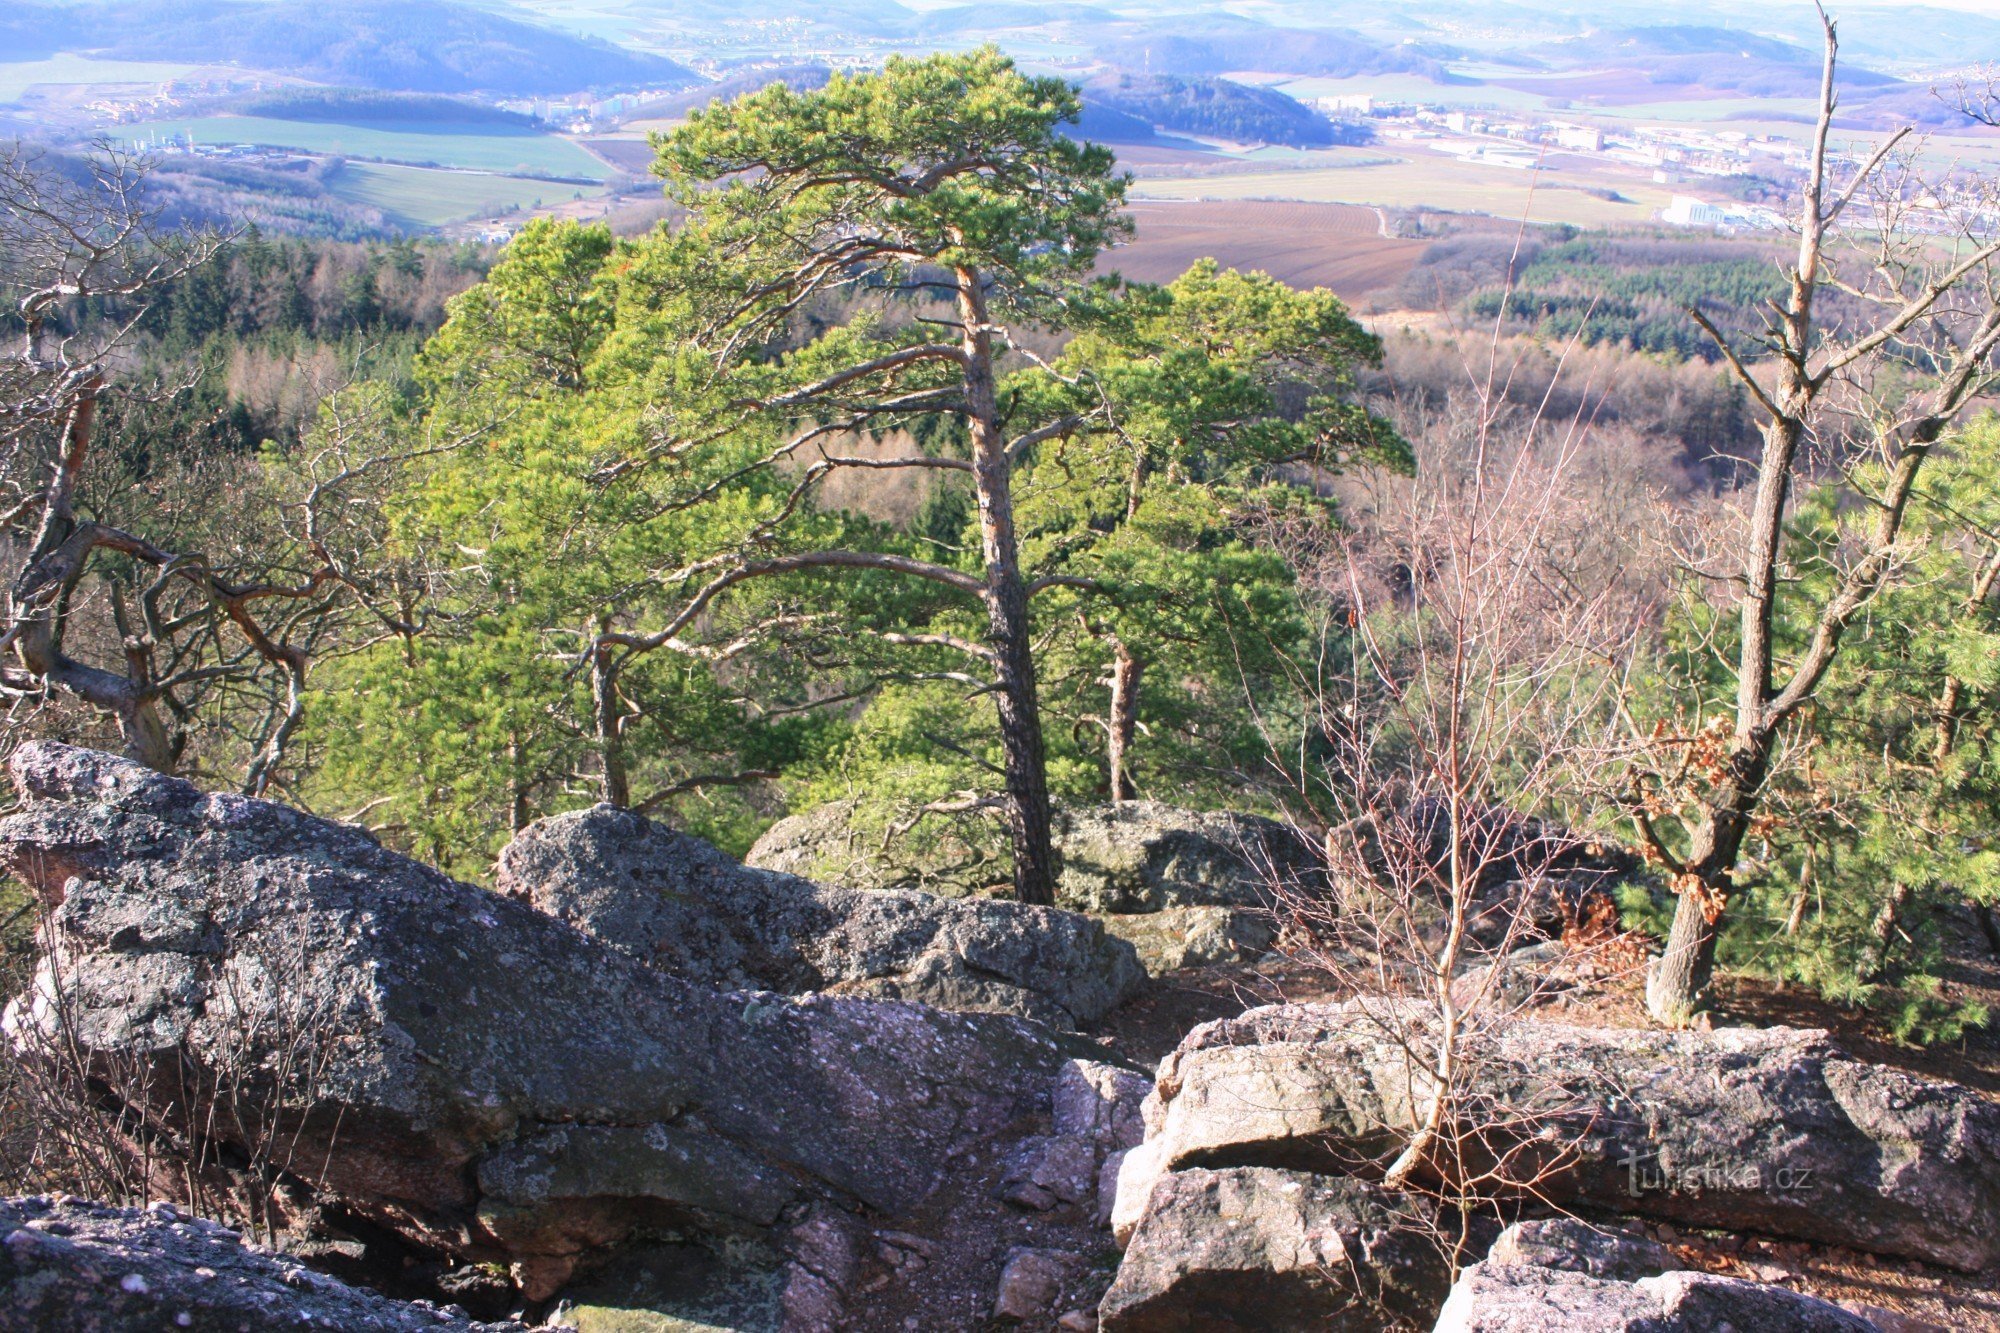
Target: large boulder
1179, 937
1250, 1248
676, 903
73, 1267
1142, 856
1139, 856
1567, 1277
452, 1065
1773, 1130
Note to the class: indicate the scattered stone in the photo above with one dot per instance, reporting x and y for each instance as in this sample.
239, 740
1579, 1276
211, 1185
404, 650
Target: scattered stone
1774, 1130
76, 1267
1252, 1248
1101, 1102
673, 901
1142, 856
1049, 1170
1030, 1283
487, 1083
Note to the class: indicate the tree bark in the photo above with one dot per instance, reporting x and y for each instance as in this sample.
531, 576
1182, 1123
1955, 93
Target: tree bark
1124, 723
615, 786
1882, 934
1005, 594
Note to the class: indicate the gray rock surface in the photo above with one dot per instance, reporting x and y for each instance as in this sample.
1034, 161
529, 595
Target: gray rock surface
467, 1072
74, 1267
1619, 1254
1139, 857
1250, 1248
1495, 1297
676, 903
1773, 1130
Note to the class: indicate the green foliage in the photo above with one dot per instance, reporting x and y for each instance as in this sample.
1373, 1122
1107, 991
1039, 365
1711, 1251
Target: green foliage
1879, 823
646, 413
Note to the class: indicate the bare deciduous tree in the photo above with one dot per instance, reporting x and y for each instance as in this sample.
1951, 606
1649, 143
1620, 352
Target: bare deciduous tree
1918, 255
1478, 630
154, 593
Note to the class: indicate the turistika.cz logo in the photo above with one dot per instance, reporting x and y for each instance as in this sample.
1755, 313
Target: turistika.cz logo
1648, 1175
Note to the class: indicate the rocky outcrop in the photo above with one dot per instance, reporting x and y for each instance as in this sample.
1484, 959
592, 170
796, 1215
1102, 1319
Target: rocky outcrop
1140, 856
1188, 888
1252, 1248
674, 902
1570, 1278
1776, 1131
71, 1267
1178, 937
454, 1066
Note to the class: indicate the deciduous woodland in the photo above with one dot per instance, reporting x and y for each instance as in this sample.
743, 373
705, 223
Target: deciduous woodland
404, 644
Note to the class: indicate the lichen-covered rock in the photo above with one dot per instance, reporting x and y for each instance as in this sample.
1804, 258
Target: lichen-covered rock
1511, 1296
73, 1267
1252, 1248
461, 1069
1774, 1130
1177, 937
1142, 856
1137, 857
676, 903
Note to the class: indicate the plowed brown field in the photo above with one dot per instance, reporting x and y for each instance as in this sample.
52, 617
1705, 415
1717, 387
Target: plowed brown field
1307, 245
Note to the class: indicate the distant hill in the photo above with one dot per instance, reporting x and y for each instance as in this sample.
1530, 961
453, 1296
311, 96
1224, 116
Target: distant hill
407, 112
424, 46
1216, 107
1721, 59
32, 32
799, 78
1331, 54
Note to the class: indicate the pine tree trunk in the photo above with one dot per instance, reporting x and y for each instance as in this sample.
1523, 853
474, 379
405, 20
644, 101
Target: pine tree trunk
1125, 673
614, 786
1006, 597
1882, 933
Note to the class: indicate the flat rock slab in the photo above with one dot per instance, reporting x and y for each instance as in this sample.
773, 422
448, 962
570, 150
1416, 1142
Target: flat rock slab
73, 1267
464, 1070
1774, 1130
1527, 1298
1251, 1248
674, 902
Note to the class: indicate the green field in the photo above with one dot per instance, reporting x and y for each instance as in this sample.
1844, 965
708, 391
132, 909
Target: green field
16, 77
421, 197
1430, 182
539, 154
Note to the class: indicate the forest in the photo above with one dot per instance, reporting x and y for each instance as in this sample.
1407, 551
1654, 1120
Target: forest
718, 522
1602, 616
